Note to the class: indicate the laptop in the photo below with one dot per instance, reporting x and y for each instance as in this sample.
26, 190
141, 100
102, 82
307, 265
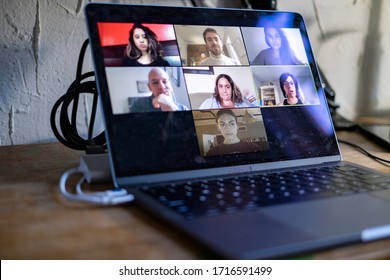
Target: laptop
224, 139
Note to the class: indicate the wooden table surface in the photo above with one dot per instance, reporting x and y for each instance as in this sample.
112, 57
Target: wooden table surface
38, 223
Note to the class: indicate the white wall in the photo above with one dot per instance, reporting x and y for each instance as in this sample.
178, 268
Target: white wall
351, 41
41, 40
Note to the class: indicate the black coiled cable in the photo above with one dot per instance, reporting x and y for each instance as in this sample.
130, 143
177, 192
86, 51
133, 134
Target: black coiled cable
68, 134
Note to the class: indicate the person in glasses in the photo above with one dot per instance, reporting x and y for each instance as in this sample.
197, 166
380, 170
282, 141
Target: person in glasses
227, 125
290, 88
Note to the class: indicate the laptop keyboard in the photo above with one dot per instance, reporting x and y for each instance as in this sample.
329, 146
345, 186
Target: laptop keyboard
229, 195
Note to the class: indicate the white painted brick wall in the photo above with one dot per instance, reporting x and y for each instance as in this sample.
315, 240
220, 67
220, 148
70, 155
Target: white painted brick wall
40, 41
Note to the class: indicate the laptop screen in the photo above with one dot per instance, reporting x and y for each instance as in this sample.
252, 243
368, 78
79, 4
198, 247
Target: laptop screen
188, 89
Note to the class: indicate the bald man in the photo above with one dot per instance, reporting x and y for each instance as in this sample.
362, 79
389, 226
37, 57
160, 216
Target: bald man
162, 98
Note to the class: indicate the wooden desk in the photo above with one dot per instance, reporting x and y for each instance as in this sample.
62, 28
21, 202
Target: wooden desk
38, 223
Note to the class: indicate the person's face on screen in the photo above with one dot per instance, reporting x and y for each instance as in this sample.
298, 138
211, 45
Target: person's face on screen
227, 125
140, 40
273, 38
214, 43
224, 89
159, 83
289, 87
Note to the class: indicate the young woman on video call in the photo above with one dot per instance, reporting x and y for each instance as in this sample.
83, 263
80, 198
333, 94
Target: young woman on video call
143, 48
227, 125
279, 51
228, 95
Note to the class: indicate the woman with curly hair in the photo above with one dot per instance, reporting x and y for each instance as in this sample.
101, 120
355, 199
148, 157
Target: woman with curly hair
228, 95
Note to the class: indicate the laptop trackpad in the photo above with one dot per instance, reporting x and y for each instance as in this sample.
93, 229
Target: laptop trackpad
338, 215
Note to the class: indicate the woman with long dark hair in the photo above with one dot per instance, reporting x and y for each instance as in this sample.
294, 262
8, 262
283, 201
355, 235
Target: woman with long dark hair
228, 95
143, 48
279, 51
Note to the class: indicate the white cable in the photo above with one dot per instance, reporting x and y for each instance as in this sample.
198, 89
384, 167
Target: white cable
79, 184
109, 197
